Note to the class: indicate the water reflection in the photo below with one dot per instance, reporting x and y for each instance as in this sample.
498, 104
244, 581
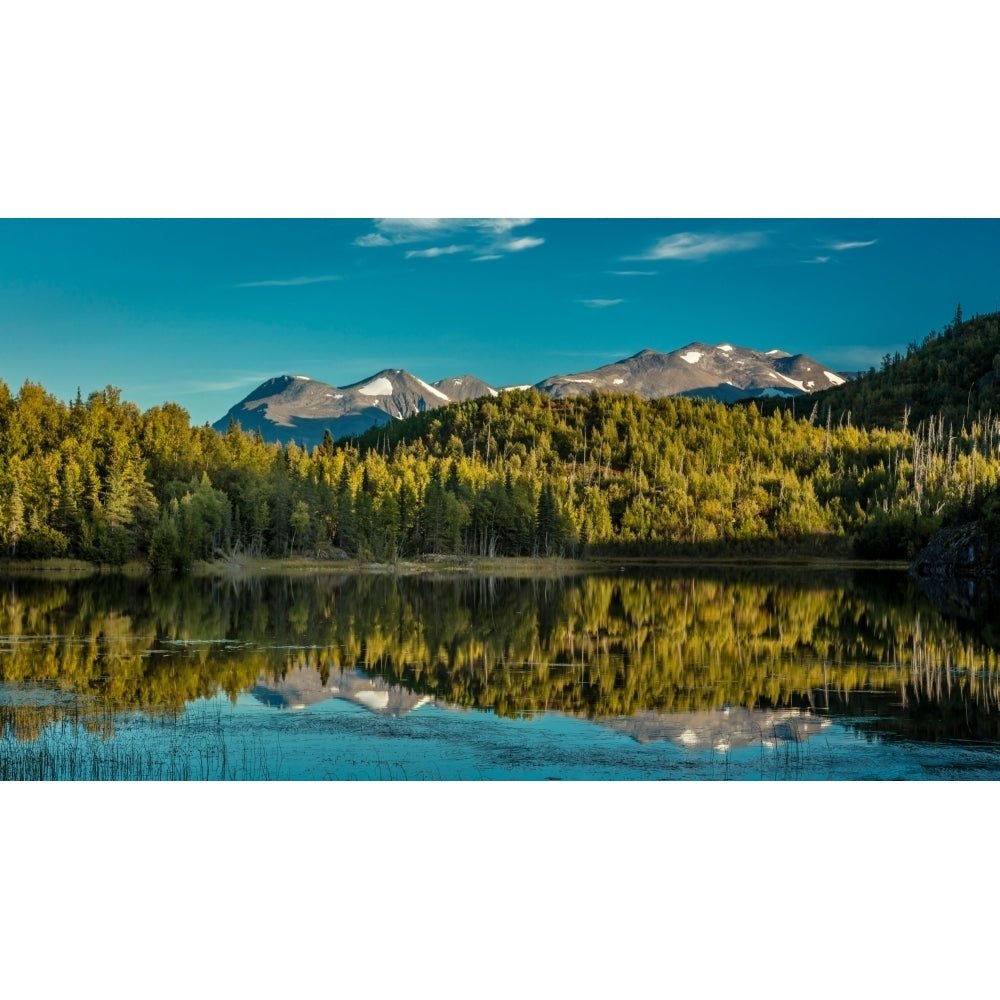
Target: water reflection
724, 729
693, 659
302, 687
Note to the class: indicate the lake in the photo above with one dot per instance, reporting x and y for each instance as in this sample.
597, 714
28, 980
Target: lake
640, 674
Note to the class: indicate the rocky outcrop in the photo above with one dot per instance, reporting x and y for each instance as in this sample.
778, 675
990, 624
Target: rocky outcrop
965, 551
960, 571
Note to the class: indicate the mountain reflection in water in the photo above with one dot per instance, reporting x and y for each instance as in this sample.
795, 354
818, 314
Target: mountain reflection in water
303, 687
723, 729
707, 659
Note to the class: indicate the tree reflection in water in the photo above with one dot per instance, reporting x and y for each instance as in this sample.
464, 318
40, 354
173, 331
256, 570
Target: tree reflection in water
662, 656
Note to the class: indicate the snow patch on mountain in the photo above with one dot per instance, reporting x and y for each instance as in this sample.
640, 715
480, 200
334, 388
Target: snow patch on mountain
692, 357
835, 379
725, 347
792, 381
377, 387
437, 392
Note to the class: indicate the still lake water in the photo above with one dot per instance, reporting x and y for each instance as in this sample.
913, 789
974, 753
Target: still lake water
671, 674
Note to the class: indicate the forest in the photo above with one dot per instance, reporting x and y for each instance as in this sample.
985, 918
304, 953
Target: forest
873, 468
952, 376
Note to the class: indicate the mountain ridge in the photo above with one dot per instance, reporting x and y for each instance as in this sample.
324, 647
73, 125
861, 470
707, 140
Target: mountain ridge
302, 409
716, 371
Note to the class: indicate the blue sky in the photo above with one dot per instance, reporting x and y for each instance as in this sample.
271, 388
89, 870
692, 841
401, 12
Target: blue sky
200, 311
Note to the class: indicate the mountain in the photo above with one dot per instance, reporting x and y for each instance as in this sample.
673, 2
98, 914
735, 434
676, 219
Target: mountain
463, 387
301, 409
720, 372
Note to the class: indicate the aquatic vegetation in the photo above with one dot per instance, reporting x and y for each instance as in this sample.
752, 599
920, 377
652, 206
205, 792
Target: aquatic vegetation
191, 748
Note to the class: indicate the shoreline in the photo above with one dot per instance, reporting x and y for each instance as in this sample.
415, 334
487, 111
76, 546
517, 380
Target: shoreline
502, 566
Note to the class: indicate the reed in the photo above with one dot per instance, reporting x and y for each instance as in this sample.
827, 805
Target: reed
192, 752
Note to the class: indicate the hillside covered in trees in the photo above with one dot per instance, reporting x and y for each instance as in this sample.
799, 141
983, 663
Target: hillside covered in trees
519, 474
953, 377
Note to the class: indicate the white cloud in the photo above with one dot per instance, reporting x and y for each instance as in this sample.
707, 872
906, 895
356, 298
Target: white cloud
490, 237
390, 232
372, 240
437, 251
289, 282
599, 303
633, 274
500, 226
522, 243
816, 260
852, 244
699, 246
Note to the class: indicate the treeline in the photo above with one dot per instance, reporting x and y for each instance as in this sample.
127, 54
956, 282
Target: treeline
520, 474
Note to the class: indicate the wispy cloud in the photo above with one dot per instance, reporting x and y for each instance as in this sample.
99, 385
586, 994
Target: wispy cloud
373, 240
599, 303
391, 232
699, 246
522, 243
851, 244
290, 282
633, 274
500, 226
487, 238
437, 251
816, 260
